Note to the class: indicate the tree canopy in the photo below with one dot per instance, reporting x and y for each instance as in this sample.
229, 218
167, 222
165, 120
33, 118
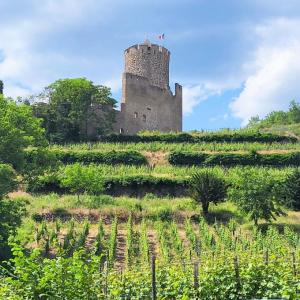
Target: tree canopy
19, 128
67, 108
11, 211
256, 194
7, 180
292, 116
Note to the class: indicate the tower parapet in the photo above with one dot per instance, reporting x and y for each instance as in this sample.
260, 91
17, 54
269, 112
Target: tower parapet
150, 61
147, 100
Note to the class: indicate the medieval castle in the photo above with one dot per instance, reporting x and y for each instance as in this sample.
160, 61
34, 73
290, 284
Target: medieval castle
147, 100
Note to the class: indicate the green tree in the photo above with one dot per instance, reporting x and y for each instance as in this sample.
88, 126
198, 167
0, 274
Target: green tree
11, 212
294, 112
1, 87
290, 190
71, 108
254, 121
8, 180
256, 194
18, 130
206, 187
280, 117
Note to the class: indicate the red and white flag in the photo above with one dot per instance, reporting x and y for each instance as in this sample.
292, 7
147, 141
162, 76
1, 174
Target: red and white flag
161, 37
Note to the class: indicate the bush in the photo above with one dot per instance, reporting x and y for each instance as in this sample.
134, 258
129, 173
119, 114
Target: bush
81, 179
233, 159
111, 158
134, 185
290, 191
256, 195
218, 137
7, 180
11, 212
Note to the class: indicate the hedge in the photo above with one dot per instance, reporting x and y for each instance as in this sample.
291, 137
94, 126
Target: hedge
233, 159
198, 138
87, 157
131, 185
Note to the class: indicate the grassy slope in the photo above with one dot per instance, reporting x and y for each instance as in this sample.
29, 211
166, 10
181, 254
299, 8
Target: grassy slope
288, 130
150, 208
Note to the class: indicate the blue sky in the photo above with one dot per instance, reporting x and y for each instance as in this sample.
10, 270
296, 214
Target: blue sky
234, 58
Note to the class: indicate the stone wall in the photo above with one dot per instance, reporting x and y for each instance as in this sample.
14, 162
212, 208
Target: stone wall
148, 107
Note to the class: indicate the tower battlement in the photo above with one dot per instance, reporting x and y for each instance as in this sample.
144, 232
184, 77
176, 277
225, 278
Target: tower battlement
150, 61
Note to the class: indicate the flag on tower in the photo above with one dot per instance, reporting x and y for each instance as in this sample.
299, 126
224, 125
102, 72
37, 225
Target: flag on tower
161, 37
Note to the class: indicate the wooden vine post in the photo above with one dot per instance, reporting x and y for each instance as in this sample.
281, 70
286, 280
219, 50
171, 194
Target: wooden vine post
267, 257
237, 276
153, 279
294, 264
106, 279
196, 277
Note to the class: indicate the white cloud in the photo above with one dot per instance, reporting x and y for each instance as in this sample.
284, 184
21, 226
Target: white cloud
115, 84
194, 94
26, 42
274, 79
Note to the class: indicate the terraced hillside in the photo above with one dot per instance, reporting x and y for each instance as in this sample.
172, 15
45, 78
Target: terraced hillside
103, 211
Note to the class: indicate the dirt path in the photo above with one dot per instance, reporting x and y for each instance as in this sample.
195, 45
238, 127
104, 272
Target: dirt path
156, 158
121, 248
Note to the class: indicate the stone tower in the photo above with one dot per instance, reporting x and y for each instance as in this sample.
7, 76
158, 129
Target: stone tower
147, 100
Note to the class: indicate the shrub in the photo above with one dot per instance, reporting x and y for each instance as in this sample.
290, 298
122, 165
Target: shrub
233, 159
11, 212
7, 180
219, 137
131, 184
80, 180
256, 195
290, 191
111, 158
207, 187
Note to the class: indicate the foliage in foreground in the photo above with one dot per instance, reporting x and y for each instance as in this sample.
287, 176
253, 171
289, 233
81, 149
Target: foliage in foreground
84, 276
11, 212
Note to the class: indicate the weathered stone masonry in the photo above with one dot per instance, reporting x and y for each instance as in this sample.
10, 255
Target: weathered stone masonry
147, 100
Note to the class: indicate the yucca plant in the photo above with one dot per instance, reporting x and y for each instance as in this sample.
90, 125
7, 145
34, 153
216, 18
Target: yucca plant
206, 187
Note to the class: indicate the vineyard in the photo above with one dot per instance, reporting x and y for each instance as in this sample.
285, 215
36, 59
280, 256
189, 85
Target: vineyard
116, 220
192, 261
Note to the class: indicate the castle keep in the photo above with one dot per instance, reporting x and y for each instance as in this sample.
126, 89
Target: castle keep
147, 100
